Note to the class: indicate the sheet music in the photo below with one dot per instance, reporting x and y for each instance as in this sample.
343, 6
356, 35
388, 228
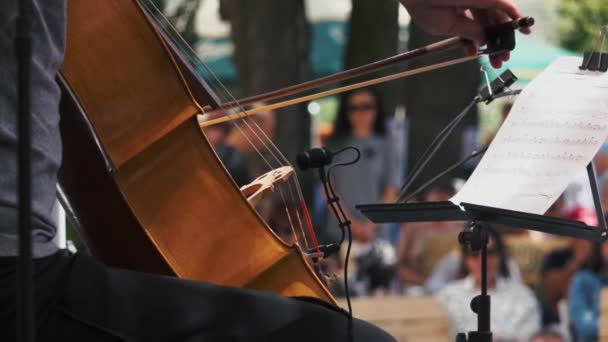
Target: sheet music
555, 128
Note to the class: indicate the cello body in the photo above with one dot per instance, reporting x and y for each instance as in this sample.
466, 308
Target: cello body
147, 190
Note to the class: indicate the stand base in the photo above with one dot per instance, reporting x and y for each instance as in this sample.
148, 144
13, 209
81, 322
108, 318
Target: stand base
475, 336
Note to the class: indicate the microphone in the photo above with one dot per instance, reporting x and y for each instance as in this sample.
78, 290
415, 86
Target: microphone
314, 158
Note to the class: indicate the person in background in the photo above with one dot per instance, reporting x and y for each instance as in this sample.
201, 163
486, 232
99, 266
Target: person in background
547, 336
250, 137
604, 193
232, 158
584, 295
422, 245
559, 266
448, 270
601, 161
514, 312
374, 270
375, 177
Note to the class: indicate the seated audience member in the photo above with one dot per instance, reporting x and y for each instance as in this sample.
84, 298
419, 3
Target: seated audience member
231, 157
559, 266
601, 161
250, 137
603, 180
547, 336
376, 268
584, 294
556, 273
371, 270
449, 267
422, 245
514, 310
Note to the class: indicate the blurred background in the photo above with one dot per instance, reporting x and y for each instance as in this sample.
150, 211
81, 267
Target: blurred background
413, 279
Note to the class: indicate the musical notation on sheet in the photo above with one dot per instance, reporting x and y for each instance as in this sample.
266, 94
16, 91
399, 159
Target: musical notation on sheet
554, 129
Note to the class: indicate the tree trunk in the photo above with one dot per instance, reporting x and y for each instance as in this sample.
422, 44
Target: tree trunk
271, 41
432, 99
372, 35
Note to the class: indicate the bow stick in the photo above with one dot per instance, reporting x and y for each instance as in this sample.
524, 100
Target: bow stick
500, 39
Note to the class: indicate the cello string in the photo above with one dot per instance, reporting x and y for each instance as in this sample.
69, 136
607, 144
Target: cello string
275, 153
291, 224
193, 61
190, 55
223, 91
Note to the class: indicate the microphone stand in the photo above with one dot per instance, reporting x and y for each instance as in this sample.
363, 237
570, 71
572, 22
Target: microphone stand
25, 288
476, 237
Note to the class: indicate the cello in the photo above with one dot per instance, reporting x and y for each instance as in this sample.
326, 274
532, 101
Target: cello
146, 188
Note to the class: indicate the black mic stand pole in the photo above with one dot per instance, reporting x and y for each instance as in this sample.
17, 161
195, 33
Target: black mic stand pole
475, 236
25, 288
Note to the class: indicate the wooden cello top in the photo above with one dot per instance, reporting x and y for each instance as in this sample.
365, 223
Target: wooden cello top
173, 207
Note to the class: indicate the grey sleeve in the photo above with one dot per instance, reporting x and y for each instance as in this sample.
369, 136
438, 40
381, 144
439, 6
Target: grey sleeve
444, 272
393, 166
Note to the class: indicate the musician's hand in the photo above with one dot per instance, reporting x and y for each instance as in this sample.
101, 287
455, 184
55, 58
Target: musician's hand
464, 18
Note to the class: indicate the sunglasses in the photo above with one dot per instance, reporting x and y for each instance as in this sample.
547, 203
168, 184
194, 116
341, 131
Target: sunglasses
361, 107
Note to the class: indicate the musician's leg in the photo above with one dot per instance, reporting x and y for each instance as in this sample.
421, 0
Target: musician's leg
111, 304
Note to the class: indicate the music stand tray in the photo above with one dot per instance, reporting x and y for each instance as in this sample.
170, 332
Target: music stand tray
448, 211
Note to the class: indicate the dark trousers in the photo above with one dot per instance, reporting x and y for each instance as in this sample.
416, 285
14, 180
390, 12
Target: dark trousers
78, 299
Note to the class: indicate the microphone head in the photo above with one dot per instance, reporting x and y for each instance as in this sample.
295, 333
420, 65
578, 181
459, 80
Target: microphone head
313, 158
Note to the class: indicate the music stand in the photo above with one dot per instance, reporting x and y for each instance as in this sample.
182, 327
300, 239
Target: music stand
479, 216
448, 211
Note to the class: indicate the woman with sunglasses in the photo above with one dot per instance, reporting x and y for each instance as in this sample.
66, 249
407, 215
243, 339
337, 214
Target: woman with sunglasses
360, 123
515, 315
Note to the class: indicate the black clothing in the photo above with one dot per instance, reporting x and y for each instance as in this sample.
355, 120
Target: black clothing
80, 300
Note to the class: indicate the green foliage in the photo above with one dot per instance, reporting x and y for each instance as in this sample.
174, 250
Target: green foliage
580, 23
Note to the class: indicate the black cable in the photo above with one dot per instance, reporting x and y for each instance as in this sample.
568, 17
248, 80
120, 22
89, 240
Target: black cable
25, 288
343, 222
507, 93
332, 199
432, 149
343, 219
346, 288
449, 127
425, 158
444, 172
